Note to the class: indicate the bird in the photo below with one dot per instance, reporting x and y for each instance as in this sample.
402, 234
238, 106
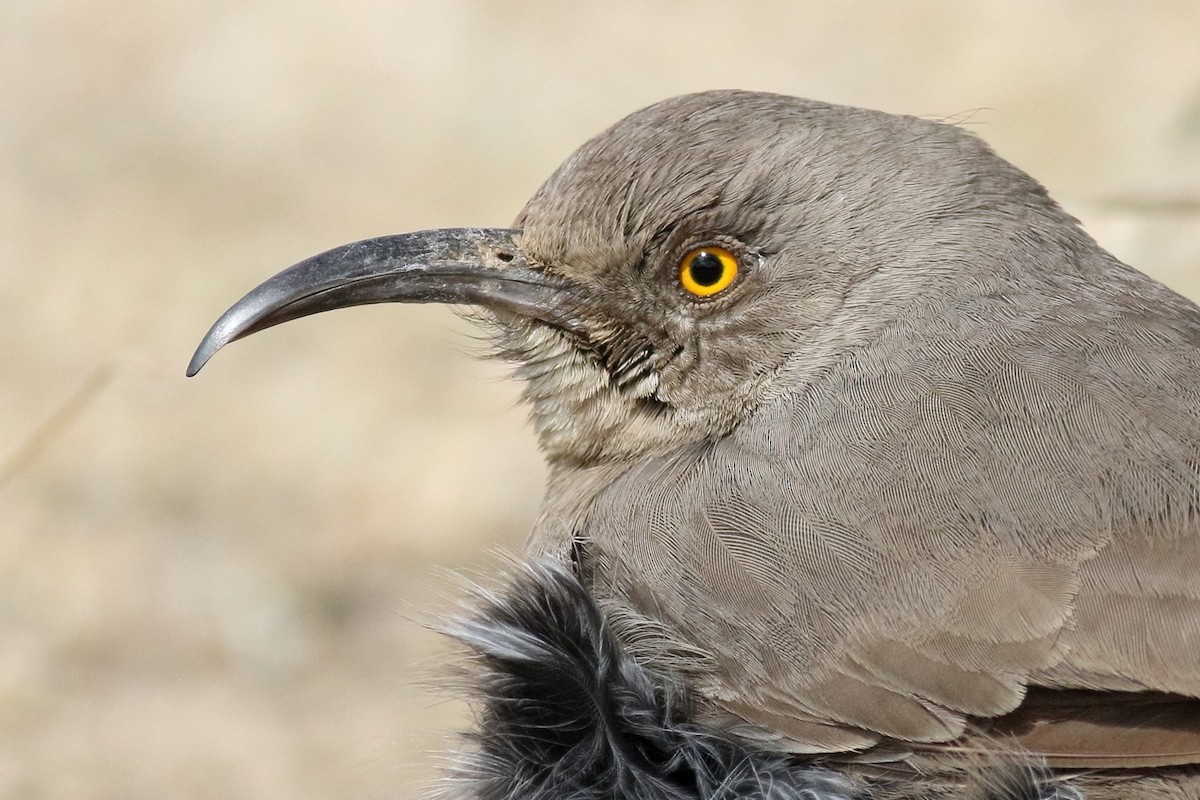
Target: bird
870, 473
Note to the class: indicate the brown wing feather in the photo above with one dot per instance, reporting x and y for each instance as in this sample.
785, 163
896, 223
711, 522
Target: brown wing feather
1095, 730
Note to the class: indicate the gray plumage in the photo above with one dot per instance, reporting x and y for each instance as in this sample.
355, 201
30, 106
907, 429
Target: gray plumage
564, 711
920, 484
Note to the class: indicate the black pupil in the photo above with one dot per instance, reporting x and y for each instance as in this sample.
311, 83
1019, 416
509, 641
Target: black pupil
707, 269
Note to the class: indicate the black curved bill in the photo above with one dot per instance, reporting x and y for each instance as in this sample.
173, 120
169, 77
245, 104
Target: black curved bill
476, 266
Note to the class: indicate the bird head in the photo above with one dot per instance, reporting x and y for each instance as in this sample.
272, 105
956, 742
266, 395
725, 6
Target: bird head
680, 266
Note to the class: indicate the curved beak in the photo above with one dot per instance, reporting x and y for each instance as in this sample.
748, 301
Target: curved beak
475, 266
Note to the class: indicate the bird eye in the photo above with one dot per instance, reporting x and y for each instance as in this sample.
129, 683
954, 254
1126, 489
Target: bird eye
707, 271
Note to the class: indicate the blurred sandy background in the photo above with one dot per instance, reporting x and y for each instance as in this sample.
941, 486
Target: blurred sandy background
209, 588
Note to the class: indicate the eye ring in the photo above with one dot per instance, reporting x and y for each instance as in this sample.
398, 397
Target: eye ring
707, 271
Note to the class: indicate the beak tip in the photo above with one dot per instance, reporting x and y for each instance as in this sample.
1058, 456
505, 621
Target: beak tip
199, 359
235, 323
217, 337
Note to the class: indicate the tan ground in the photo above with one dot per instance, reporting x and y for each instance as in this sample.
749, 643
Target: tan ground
208, 587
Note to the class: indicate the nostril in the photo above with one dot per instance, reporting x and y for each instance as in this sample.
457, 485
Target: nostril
505, 256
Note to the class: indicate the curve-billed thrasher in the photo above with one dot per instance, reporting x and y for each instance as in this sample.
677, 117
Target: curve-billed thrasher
860, 451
